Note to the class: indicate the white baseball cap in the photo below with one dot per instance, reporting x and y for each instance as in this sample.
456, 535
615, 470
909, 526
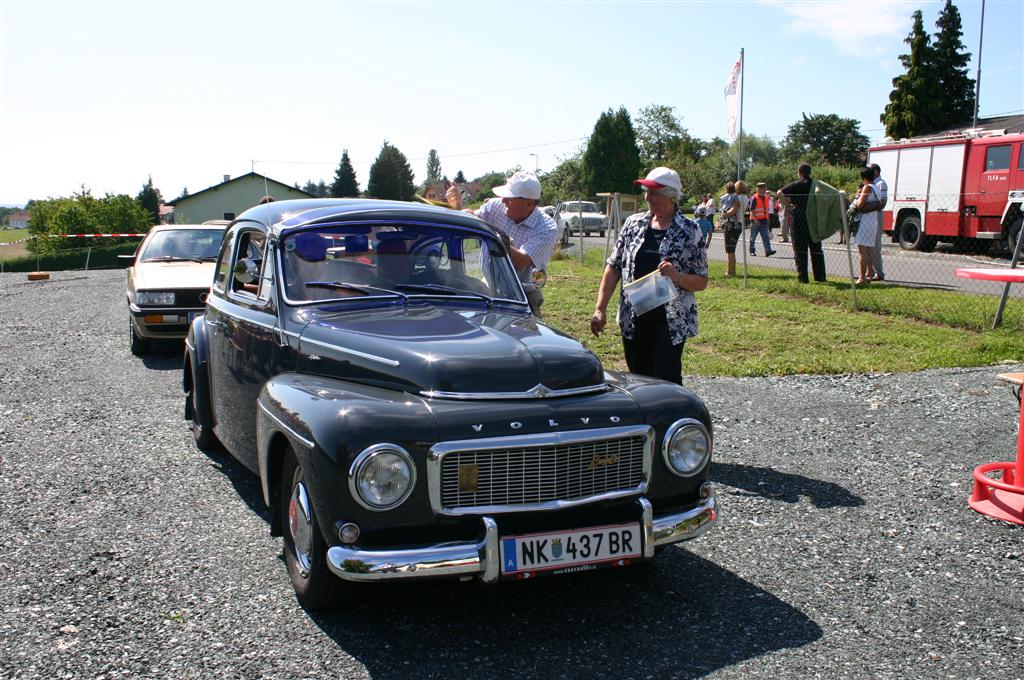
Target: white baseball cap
661, 177
520, 185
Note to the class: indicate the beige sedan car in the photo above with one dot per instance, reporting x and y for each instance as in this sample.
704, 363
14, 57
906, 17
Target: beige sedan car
169, 277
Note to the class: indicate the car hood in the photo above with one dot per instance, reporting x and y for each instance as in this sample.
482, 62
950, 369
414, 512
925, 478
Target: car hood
436, 350
172, 275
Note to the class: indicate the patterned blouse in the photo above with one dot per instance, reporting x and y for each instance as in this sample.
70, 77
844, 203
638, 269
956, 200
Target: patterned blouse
682, 246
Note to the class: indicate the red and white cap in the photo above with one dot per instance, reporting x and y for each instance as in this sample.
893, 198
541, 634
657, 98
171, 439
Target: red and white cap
661, 177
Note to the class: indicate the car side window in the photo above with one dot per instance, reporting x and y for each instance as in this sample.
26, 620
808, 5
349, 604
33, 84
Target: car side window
997, 158
247, 271
224, 263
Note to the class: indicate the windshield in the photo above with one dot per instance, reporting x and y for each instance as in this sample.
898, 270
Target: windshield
395, 260
580, 207
183, 244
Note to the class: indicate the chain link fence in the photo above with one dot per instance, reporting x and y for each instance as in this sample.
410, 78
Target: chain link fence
921, 248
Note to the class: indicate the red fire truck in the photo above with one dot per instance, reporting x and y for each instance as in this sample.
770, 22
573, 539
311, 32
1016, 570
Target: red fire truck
958, 187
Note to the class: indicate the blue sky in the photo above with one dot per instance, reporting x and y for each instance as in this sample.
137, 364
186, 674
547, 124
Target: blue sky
105, 94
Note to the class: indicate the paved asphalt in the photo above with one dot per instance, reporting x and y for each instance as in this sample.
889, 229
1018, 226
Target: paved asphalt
845, 548
902, 267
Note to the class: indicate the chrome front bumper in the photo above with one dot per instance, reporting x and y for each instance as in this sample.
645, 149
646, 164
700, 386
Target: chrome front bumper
482, 559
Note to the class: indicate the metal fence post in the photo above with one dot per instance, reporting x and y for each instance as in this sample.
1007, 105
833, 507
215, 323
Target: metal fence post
849, 253
579, 215
88, 253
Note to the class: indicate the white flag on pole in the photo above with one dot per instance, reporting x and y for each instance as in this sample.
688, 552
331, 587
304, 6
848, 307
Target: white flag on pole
732, 96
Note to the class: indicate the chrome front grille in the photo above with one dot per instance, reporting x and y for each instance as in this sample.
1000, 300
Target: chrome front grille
557, 470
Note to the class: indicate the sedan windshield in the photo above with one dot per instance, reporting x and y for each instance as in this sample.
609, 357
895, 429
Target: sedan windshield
396, 261
581, 207
183, 244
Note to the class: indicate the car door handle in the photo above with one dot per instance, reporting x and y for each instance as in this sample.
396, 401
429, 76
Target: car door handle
211, 322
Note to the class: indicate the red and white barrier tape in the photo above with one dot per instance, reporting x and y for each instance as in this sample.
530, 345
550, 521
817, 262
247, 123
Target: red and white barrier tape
97, 235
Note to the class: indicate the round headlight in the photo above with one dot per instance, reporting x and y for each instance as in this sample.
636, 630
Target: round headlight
687, 447
382, 477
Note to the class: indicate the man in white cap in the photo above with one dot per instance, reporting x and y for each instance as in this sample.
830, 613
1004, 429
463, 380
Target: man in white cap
531, 234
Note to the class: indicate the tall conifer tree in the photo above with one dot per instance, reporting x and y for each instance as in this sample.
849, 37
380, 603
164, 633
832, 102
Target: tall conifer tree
951, 59
612, 159
390, 175
914, 106
345, 184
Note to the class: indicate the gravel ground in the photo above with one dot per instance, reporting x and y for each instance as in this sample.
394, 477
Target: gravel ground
845, 550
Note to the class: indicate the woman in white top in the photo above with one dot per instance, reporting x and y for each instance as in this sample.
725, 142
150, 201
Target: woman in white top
868, 226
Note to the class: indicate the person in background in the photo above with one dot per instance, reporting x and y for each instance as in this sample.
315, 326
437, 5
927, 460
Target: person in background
868, 227
531, 234
660, 240
706, 228
266, 199
882, 191
733, 207
760, 222
785, 218
796, 194
709, 207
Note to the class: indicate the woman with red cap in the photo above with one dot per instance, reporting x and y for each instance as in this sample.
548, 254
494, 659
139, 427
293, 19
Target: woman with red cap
660, 240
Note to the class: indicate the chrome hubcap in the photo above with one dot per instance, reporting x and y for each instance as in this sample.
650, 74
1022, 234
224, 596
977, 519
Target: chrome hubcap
300, 526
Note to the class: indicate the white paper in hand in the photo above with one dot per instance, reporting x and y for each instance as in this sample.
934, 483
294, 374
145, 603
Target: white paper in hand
649, 292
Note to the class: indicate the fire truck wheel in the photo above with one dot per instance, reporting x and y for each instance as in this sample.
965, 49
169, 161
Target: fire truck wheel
912, 236
1013, 233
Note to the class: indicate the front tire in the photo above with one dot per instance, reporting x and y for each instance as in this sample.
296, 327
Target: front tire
305, 551
202, 433
139, 346
1012, 234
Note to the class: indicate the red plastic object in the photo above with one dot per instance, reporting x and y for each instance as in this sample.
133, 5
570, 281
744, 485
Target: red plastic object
992, 274
1002, 498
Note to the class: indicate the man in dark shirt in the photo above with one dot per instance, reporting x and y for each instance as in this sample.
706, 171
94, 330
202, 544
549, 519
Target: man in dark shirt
796, 193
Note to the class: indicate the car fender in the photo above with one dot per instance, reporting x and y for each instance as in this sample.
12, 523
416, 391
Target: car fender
663, 403
197, 377
328, 423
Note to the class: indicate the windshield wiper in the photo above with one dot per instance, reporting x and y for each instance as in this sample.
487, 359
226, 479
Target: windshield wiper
356, 286
442, 290
170, 258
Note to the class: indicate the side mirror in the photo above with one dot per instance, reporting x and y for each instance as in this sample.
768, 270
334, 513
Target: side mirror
539, 278
125, 261
246, 271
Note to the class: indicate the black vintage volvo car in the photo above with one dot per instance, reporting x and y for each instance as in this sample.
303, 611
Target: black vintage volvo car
377, 365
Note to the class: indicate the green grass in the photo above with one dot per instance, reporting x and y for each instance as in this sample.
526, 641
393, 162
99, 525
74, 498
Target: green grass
776, 326
9, 235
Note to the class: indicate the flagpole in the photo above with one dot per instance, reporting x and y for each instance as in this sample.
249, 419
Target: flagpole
739, 144
977, 89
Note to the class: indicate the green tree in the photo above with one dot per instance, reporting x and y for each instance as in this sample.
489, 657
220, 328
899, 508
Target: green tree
390, 175
490, 180
82, 213
184, 193
912, 109
565, 181
460, 178
612, 159
827, 138
433, 168
345, 184
951, 59
150, 199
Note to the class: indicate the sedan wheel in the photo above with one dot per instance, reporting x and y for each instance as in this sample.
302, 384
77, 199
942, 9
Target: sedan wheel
139, 346
202, 433
305, 550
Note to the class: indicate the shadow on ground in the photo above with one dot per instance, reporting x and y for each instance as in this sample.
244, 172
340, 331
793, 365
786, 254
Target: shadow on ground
783, 486
683, 616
